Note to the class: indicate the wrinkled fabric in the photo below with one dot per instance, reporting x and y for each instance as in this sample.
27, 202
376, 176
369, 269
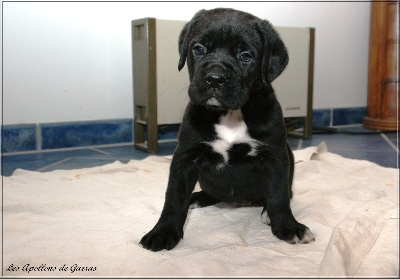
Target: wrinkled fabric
88, 222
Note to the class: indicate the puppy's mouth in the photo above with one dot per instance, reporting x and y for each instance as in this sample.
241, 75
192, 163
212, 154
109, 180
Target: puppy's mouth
213, 102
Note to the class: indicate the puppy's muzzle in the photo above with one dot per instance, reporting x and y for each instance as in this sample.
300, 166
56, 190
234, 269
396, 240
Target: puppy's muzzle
215, 78
217, 84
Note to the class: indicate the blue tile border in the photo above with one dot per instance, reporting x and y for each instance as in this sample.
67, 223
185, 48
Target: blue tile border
17, 138
321, 118
78, 134
348, 116
47, 136
338, 116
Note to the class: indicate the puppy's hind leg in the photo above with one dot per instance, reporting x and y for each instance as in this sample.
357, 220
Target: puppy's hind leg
202, 199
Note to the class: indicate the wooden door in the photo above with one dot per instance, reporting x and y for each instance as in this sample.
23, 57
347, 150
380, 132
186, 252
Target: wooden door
383, 77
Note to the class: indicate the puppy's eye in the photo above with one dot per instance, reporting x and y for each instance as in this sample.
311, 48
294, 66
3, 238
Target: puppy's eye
199, 49
245, 56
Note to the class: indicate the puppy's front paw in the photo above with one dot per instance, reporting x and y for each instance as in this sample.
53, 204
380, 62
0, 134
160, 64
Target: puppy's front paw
294, 233
161, 237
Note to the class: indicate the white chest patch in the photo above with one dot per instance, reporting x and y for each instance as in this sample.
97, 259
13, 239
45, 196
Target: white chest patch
230, 130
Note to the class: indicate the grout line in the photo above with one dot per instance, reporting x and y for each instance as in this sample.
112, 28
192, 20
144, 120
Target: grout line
348, 126
390, 142
54, 164
38, 134
66, 149
114, 158
300, 145
100, 151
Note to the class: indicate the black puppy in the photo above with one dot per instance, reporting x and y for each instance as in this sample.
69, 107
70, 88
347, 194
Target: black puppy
233, 137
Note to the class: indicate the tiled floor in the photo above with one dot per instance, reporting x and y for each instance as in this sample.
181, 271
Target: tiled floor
381, 148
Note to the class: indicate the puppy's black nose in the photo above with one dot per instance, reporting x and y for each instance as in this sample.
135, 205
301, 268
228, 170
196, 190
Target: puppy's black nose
215, 79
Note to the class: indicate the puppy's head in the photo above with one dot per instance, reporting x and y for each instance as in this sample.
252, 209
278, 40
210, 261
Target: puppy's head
229, 54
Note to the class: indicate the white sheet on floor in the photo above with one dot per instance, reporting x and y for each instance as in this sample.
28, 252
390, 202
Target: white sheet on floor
94, 219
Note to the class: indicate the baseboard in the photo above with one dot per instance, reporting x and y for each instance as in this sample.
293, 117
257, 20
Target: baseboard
46, 136
49, 136
338, 116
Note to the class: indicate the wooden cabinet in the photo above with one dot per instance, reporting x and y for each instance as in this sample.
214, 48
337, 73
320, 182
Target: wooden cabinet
383, 77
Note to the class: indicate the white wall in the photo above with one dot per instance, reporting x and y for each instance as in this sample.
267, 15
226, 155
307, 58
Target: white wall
72, 61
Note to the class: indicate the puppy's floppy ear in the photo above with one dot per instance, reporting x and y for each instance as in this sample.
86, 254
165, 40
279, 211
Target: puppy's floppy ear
275, 56
183, 43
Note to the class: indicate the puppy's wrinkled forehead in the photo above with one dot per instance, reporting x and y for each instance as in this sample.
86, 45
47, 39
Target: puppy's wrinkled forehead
218, 29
